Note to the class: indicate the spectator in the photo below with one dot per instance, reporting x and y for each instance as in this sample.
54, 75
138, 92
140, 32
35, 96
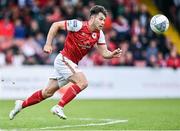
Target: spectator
151, 50
143, 37
97, 59
135, 28
160, 60
9, 56
6, 28
122, 28
33, 28
152, 61
32, 51
127, 27
136, 48
144, 16
20, 30
129, 60
55, 15
173, 60
40, 39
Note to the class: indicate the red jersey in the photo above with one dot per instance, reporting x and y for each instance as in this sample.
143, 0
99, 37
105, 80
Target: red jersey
173, 62
80, 40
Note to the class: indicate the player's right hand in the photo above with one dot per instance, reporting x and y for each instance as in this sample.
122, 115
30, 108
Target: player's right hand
48, 48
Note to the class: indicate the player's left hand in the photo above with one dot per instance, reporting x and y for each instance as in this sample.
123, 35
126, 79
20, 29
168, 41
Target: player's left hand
116, 53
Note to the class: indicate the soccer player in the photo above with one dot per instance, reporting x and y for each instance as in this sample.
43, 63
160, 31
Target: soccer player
81, 38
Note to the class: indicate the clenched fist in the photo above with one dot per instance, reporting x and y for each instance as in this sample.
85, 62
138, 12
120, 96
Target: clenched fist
48, 48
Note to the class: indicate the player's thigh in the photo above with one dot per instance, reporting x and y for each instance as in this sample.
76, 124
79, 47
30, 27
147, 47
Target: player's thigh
64, 67
69, 71
80, 79
51, 88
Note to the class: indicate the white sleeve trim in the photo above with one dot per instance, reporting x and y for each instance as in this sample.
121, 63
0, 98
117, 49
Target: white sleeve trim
101, 38
73, 25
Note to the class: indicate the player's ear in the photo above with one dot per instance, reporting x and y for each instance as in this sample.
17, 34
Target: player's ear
92, 17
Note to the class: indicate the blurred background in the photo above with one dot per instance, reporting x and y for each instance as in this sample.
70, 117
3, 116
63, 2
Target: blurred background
142, 86
24, 25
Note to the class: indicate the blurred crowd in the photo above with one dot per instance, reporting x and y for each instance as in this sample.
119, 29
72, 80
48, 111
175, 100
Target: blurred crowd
24, 25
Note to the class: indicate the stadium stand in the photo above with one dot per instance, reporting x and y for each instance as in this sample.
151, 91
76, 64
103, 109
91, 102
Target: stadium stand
25, 24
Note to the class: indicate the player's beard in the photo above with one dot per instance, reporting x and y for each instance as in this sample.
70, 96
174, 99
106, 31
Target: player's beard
98, 27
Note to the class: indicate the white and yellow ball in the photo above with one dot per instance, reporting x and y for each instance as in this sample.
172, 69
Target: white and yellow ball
159, 23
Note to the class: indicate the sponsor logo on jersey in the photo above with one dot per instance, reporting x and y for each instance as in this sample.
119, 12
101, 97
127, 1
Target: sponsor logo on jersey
72, 23
85, 44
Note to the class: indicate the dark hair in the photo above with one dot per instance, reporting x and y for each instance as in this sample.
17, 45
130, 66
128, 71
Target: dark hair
97, 9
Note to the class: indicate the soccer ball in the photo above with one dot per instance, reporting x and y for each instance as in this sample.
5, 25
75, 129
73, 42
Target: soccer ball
159, 23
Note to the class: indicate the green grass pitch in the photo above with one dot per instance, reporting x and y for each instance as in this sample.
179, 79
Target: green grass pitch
142, 114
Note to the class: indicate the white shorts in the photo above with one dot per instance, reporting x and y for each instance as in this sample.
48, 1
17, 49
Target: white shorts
63, 68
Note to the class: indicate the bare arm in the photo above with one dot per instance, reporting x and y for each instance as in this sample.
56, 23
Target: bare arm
107, 54
51, 34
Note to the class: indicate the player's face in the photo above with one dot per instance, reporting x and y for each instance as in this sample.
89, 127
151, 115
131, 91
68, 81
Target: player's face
99, 21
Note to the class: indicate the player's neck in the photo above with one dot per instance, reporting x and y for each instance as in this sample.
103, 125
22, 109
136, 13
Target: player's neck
91, 26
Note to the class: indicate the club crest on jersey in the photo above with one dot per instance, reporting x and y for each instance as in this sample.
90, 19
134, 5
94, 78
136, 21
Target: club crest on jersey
94, 35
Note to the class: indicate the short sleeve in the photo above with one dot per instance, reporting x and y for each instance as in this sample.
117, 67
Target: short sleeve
73, 25
101, 38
